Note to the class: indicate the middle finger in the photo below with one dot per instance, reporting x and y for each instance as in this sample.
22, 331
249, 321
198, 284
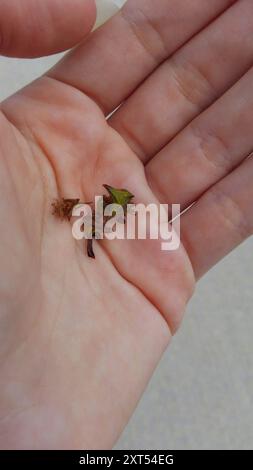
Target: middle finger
209, 148
189, 82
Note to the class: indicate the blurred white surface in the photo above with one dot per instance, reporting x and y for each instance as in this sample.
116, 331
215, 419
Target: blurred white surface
201, 396
106, 9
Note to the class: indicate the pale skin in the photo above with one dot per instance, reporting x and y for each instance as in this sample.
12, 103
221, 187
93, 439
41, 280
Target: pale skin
79, 339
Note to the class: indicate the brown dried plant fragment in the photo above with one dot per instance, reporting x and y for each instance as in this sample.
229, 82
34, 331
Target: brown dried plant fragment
62, 208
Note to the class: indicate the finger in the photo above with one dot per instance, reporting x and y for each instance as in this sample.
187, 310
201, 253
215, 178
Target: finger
188, 83
220, 220
33, 28
208, 149
121, 54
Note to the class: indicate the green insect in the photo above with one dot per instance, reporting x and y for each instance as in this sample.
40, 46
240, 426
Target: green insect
63, 209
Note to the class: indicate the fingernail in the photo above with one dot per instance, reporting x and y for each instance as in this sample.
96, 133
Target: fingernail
106, 9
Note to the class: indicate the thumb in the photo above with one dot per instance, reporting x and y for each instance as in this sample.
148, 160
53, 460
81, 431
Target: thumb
34, 28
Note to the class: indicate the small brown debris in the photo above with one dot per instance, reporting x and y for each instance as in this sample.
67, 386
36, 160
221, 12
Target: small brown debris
62, 208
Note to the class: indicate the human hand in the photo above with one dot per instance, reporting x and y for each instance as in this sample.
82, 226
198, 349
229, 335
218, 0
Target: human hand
80, 339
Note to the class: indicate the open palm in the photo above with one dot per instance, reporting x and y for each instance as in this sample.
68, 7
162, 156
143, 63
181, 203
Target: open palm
80, 338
